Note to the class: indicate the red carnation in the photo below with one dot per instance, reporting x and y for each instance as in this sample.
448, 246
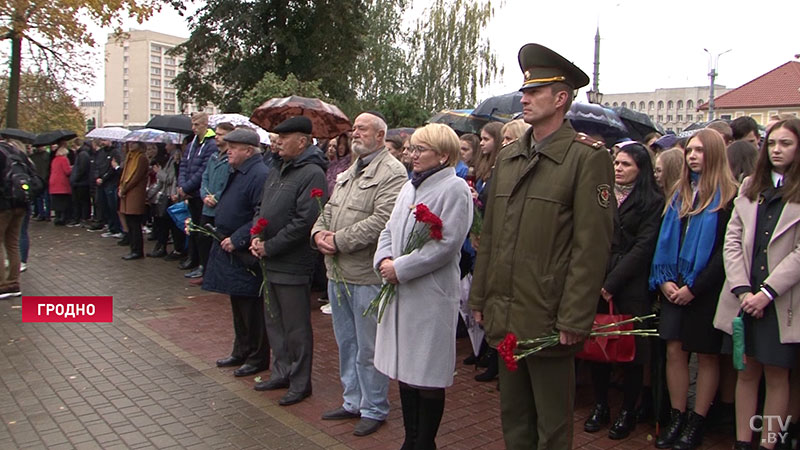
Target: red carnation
261, 223
317, 193
436, 233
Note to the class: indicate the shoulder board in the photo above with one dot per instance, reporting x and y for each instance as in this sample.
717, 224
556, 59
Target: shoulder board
583, 138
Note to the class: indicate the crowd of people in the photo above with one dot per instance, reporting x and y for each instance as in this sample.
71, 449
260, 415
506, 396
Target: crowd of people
704, 233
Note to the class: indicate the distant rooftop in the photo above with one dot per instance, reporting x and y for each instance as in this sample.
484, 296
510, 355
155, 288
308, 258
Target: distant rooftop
776, 88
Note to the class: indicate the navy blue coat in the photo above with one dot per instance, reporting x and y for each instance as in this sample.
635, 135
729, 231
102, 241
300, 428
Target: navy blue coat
193, 164
240, 198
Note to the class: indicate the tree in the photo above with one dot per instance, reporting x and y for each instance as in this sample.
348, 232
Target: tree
45, 104
448, 59
235, 42
272, 86
55, 36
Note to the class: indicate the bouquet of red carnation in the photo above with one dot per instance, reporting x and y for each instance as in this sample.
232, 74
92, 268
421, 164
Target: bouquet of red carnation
508, 346
317, 194
258, 230
430, 229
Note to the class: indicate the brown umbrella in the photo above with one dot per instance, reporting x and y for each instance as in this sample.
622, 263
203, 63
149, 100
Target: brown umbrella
328, 121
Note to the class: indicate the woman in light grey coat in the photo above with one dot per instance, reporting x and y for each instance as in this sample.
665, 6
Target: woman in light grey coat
415, 341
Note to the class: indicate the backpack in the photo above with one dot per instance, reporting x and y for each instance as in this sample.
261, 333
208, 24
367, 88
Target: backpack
21, 183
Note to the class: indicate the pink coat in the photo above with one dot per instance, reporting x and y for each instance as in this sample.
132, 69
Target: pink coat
59, 175
783, 257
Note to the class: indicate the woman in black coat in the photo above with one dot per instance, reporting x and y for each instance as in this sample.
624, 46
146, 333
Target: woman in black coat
639, 205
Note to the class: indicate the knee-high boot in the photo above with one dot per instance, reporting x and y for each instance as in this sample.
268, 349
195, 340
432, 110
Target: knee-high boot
431, 409
409, 400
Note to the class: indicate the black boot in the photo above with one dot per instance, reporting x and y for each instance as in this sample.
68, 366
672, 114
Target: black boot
672, 431
644, 413
742, 445
431, 408
491, 370
488, 356
473, 358
409, 400
599, 417
692, 434
623, 426
158, 252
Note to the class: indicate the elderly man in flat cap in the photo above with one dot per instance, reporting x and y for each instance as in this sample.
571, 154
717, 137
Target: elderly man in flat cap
290, 211
545, 243
228, 274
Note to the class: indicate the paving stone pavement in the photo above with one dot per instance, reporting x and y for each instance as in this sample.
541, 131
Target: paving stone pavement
148, 379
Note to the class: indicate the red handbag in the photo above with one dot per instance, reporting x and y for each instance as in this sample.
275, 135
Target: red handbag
608, 349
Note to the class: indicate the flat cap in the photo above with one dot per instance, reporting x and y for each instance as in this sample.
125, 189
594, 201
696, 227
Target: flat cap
542, 66
297, 124
242, 136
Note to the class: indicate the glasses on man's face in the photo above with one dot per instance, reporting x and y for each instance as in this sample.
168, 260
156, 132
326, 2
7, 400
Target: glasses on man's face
416, 150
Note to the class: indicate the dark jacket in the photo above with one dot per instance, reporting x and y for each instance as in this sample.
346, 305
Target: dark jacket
7, 203
193, 163
287, 204
103, 168
214, 179
41, 161
82, 169
237, 205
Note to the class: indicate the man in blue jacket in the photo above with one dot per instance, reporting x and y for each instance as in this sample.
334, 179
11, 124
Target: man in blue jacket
193, 164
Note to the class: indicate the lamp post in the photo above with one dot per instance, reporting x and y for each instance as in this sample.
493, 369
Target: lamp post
712, 74
594, 97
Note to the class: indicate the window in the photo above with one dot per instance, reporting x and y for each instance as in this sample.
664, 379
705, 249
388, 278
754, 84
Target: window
124, 117
624, 104
124, 83
155, 48
169, 107
680, 117
125, 71
633, 106
660, 105
700, 103
669, 117
155, 105
169, 96
125, 59
670, 129
650, 116
169, 72
660, 118
126, 93
606, 104
689, 105
699, 117
155, 71
641, 106
168, 60
155, 59
679, 129
670, 104
155, 94
125, 106
155, 82
725, 117
651, 105
615, 104
680, 104
689, 117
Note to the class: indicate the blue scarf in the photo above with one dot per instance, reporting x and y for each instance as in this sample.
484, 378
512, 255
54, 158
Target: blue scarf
691, 257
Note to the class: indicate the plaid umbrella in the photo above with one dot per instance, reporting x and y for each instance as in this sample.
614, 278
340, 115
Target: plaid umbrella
236, 120
151, 136
327, 121
110, 133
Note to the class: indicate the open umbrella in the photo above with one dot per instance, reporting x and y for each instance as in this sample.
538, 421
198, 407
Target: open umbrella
110, 133
176, 123
20, 135
151, 136
503, 107
638, 124
51, 137
593, 119
236, 120
461, 120
402, 133
327, 121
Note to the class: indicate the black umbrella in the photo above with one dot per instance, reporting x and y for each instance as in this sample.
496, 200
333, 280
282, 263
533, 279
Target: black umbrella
20, 135
51, 137
593, 119
639, 124
503, 107
176, 123
461, 120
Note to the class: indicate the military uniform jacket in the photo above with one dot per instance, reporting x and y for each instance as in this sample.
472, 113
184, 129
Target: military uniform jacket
546, 238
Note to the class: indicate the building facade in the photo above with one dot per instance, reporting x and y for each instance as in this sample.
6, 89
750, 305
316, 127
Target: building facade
672, 108
138, 79
93, 112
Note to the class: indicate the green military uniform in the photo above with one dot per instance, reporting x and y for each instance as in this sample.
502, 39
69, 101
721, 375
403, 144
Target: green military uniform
540, 267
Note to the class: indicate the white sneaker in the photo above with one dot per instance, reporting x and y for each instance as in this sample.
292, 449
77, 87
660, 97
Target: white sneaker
23, 267
107, 234
326, 308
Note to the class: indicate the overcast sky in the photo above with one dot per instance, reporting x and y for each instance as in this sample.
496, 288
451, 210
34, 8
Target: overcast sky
644, 44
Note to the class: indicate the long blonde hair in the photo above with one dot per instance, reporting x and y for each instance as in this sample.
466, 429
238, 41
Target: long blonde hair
716, 175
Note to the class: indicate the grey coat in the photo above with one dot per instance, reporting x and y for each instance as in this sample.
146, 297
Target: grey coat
415, 343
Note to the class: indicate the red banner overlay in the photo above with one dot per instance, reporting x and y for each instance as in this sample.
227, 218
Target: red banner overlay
67, 309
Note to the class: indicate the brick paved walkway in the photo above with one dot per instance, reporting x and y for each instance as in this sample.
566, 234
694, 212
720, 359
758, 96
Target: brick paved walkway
148, 379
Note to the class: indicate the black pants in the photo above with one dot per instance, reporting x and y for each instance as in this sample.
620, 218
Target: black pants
196, 212
134, 222
289, 330
204, 242
250, 342
81, 203
162, 227
632, 380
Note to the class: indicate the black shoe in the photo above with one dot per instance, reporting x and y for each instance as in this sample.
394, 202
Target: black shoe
96, 227
367, 426
487, 357
294, 397
271, 385
230, 361
673, 430
131, 256
623, 426
247, 369
692, 434
598, 418
340, 414
175, 256
470, 360
158, 252
196, 273
644, 413
124, 241
187, 264
489, 375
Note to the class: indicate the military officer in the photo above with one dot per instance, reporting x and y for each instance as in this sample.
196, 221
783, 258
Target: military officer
544, 247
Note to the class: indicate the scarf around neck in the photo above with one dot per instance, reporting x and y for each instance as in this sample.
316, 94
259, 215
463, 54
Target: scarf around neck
622, 192
418, 178
687, 258
131, 164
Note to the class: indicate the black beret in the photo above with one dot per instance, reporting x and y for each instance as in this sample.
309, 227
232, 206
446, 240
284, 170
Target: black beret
242, 136
297, 124
542, 66
376, 114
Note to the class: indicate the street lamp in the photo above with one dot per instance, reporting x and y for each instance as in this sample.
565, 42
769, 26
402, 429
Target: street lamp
594, 97
712, 74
